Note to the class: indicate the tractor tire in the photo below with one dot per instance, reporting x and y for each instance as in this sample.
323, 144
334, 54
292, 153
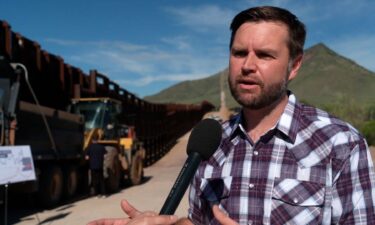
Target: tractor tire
112, 170
136, 169
50, 186
83, 186
70, 182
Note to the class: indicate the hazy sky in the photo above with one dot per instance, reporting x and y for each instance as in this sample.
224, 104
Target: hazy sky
148, 45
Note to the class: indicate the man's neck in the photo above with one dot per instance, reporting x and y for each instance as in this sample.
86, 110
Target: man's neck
259, 121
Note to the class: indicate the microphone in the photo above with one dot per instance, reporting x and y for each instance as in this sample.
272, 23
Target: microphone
203, 142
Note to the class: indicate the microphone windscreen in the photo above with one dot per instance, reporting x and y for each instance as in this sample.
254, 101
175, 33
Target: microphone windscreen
205, 138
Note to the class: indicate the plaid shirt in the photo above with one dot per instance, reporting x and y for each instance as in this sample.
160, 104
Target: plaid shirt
311, 168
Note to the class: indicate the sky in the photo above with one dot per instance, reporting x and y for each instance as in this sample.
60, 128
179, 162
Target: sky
146, 45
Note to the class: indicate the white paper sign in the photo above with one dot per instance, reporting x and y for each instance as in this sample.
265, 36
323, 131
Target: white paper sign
16, 164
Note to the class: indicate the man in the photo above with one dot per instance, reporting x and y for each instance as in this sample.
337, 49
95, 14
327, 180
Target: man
279, 162
95, 154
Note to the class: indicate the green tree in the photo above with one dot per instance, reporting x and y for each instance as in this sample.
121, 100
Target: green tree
368, 130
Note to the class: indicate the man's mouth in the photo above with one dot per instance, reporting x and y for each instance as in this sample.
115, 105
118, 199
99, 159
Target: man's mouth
248, 84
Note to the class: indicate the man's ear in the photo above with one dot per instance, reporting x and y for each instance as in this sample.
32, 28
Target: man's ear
294, 68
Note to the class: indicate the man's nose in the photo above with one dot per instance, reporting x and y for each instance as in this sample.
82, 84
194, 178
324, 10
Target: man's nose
249, 64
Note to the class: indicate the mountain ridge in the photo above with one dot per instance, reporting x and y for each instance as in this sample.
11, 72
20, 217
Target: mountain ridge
324, 77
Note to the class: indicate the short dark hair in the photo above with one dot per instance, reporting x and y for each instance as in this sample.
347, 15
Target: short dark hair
297, 30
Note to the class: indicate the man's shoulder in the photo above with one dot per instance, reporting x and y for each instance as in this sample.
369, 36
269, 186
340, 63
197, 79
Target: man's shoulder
311, 117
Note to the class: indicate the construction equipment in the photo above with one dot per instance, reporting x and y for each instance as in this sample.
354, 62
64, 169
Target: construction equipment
125, 153
36, 90
55, 137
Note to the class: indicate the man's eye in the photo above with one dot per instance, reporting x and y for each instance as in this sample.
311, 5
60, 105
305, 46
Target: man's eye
264, 55
239, 53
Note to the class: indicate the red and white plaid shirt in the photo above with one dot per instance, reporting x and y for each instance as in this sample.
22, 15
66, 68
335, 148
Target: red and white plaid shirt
311, 168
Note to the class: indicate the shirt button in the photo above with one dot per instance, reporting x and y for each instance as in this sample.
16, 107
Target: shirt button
295, 200
255, 152
250, 222
251, 185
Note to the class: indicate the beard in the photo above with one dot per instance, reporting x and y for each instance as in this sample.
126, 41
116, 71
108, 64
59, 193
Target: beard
268, 94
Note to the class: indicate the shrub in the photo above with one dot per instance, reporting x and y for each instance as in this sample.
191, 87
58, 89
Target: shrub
348, 110
368, 130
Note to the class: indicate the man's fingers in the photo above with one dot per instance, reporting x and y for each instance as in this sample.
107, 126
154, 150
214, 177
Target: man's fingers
137, 218
222, 217
148, 214
109, 222
166, 219
129, 209
219, 214
157, 219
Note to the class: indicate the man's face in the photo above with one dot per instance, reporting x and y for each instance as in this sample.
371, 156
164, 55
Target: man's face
259, 64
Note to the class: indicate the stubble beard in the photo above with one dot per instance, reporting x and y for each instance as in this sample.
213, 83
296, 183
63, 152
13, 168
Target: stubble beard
268, 94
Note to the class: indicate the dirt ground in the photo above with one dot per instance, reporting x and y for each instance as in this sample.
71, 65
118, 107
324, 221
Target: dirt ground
150, 195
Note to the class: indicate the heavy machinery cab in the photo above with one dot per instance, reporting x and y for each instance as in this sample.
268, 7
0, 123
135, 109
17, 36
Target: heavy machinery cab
97, 112
101, 119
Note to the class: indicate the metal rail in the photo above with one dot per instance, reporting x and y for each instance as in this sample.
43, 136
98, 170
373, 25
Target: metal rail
55, 83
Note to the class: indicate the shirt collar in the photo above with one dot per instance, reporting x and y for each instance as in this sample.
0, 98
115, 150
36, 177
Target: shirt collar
287, 123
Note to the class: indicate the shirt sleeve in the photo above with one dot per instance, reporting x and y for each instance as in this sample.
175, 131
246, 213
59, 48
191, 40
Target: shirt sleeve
196, 212
354, 190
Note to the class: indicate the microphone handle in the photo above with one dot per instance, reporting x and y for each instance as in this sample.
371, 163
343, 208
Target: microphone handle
182, 182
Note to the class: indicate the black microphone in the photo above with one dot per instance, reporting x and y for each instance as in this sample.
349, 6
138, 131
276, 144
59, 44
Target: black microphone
203, 141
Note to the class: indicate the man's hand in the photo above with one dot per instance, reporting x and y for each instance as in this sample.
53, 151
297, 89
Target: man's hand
222, 217
136, 217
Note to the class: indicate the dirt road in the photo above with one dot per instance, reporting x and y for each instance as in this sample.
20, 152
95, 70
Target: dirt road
150, 195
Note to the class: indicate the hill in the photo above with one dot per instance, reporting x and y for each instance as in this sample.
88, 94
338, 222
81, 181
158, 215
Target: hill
324, 78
